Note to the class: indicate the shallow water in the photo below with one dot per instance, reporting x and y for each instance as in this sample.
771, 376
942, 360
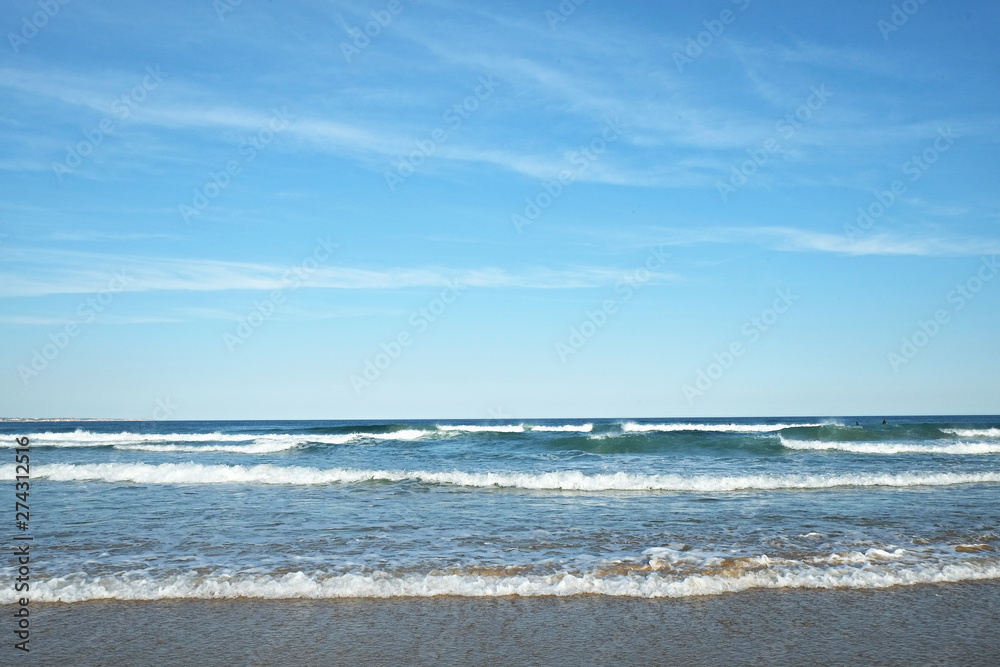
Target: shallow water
637, 508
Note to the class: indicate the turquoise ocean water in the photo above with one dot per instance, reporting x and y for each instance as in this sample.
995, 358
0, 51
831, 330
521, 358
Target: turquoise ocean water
643, 507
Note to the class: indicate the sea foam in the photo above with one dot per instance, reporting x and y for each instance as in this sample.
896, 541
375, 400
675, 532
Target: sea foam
576, 428
215, 442
893, 447
973, 432
567, 480
633, 427
474, 428
763, 573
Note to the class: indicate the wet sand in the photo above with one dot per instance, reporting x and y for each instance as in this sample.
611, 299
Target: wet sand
928, 624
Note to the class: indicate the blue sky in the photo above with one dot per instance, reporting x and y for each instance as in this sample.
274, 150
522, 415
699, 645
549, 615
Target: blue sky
516, 210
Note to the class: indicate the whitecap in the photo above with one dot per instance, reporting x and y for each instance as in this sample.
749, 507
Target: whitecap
567, 480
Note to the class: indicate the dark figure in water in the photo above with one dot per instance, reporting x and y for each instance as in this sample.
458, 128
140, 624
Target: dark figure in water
857, 424
883, 423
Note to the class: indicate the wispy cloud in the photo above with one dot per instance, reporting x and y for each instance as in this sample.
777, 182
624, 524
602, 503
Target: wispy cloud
797, 240
790, 239
682, 133
41, 320
96, 235
207, 314
75, 273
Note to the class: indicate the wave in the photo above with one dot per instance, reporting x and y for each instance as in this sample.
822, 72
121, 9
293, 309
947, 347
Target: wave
633, 427
405, 434
574, 428
80, 438
570, 480
893, 448
512, 428
759, 572
474, 428
256, 447
973, 432
185, 442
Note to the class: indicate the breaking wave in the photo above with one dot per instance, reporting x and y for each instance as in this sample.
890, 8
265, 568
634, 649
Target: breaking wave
572, 480
893, 447
633, 427
239, 443
474, 428
865, 572
572, 428
973, 432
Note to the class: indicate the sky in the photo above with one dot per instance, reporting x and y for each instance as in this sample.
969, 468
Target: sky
392, 209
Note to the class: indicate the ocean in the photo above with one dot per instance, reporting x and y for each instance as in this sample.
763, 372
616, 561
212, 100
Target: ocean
631, 508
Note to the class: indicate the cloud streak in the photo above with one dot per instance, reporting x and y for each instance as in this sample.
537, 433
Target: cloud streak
790, 239
74, 273
796, 240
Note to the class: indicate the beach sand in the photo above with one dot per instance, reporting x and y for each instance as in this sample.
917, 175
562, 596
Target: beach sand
927, 624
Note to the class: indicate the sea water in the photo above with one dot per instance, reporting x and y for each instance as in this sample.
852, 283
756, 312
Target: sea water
624, 507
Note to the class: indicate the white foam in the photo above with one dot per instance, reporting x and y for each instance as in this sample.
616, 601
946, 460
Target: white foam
574, 428
256, 447
185, 442
761, 573
668, 558
633, 427
872, 555
80, 438
570, 480
405, 434
662, 558
894, 447
973, 432
473, 428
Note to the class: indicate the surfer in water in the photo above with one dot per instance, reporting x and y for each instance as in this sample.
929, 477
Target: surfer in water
884, 423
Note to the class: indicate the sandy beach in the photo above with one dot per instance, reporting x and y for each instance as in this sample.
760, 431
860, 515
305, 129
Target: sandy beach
927, 624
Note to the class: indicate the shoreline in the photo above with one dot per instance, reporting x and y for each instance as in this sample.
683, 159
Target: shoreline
925, 623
